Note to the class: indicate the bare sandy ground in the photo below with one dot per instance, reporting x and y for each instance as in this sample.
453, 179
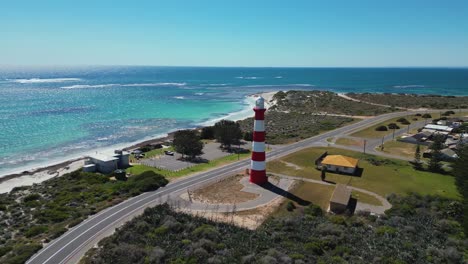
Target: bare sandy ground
40, 176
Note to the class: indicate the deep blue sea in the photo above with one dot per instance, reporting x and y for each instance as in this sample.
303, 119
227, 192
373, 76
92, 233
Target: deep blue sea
52, 114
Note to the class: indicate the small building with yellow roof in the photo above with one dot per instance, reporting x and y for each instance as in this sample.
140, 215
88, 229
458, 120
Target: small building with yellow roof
340, 163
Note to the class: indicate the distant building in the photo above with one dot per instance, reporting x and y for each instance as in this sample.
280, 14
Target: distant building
340, 199
340, 163
439, 128
108, 163
419, 138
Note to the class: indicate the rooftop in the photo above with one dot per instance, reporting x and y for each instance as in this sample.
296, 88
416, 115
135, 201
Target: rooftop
340, 160
102, 157
439, 127
341, 194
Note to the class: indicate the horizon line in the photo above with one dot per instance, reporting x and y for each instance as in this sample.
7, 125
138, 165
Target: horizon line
214, 66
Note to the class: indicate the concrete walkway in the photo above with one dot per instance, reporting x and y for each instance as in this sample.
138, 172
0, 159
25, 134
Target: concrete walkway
376, 209
267, 193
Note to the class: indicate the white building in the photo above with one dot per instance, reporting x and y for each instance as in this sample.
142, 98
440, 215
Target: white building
108, 163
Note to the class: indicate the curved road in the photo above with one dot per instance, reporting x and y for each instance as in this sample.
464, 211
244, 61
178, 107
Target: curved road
72, 245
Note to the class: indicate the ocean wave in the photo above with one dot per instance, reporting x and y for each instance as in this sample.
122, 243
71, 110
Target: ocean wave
249, 77
214, 84
83, 86
49, 80
179, 97
199, 93
278, 77
154, 84
409, 86
278, 85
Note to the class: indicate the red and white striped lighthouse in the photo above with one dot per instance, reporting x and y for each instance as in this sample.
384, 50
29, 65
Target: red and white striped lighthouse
258, 165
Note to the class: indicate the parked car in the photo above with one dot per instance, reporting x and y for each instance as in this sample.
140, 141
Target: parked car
170, 153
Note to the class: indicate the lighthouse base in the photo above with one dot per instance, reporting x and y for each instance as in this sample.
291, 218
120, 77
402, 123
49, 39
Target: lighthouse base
258, 177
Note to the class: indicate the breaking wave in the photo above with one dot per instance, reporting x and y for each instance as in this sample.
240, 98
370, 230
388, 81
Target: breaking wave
83, 86
49, 80
249, 77
409, 86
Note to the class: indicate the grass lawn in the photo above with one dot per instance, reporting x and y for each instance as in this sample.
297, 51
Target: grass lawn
365, 198
318, 194
401, 148
391, 176
349, 142
137, 169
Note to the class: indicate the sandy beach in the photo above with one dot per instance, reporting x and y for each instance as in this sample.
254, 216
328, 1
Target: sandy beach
40, 174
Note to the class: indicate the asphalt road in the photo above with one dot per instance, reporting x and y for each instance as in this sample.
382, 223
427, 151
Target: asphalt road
72, 245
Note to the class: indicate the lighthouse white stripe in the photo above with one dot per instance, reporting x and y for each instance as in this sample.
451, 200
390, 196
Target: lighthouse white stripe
258, 165
258, 146
259, 125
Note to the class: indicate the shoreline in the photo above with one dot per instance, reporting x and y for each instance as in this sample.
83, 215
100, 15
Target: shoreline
40, 173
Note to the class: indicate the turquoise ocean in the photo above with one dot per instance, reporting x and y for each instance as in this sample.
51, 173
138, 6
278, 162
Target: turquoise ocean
52, 114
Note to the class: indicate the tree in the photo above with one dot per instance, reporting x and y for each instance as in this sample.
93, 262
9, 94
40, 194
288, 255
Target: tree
426, 116
460, 171
436, 154
417, 164
207, 133
187, 142
227, 132
248, 136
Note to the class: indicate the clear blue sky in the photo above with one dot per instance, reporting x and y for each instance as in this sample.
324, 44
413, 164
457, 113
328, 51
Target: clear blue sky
235, 33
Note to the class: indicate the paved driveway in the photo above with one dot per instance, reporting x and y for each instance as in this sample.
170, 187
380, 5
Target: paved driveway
211, 151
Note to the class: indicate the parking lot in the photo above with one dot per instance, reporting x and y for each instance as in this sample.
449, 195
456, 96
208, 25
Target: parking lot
211, 151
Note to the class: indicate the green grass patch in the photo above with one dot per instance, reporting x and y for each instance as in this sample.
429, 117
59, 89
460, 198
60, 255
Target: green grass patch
350, 142
138, 169
365, 198
401, 148
382, 176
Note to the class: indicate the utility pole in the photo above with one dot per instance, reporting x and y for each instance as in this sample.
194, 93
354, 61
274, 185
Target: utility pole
382, 145
365, 141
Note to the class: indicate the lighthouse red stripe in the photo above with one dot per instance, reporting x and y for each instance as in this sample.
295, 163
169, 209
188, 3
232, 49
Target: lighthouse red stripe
258, 156
259, 136
259, 114
258, 177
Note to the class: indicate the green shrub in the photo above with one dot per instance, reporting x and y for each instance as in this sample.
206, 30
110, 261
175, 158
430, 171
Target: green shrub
313, 210
36, 230
381, 128
382, 230
23, 252
290, 206
393, 126
427, 116
4, 250
32, 197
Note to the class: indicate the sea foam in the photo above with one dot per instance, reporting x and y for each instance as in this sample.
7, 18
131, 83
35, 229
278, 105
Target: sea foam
49, 80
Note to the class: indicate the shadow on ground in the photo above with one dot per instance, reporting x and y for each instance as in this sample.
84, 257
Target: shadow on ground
284, 193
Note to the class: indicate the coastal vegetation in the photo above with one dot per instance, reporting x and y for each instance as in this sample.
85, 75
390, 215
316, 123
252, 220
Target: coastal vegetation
285, 128
188, 142
460, 170
413, 100
302, 235
227, 133
32, 215
324, 102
